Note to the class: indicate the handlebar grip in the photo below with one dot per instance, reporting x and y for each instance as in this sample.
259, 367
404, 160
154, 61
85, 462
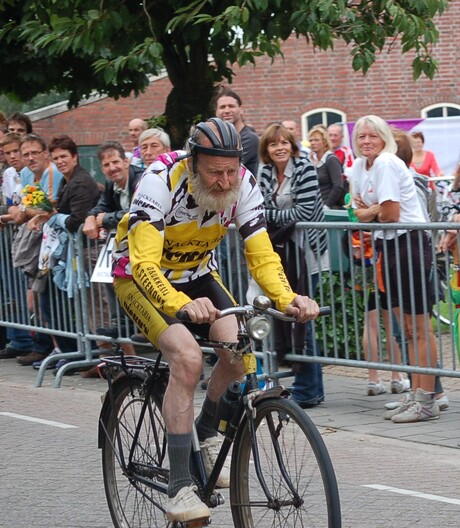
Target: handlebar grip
183, 316
325, 310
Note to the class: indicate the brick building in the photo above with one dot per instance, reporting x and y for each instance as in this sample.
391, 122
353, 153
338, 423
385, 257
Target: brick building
307, 85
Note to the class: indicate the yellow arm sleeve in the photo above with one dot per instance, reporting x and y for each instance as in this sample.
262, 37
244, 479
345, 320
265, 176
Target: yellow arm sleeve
265, 266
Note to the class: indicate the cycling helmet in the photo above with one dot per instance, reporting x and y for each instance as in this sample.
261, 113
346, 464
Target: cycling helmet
226, 142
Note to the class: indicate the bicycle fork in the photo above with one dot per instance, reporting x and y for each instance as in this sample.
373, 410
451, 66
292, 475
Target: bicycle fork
274, 504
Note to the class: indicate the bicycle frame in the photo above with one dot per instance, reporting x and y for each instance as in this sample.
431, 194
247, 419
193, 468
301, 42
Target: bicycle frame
246, 406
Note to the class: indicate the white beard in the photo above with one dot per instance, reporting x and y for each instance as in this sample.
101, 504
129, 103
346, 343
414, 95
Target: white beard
213, 201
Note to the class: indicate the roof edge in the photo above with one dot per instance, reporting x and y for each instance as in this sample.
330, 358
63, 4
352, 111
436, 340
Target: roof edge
62, 106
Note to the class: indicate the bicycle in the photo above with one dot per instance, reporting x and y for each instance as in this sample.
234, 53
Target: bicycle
281, 473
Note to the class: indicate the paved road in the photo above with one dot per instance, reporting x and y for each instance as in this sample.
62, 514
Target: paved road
389, 475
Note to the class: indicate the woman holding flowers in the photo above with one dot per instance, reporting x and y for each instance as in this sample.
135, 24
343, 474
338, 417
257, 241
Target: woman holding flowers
78, 193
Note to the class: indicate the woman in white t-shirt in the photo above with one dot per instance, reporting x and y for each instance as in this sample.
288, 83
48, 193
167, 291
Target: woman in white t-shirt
384, 191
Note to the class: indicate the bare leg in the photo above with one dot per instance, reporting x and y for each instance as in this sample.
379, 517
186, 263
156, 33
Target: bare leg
393, 350
226, 369
426, 348
185, 362
370, 342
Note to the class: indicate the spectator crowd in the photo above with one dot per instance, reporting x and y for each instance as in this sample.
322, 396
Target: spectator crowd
47, 196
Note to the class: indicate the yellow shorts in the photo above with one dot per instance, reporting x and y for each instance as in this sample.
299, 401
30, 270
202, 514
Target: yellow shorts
153, 323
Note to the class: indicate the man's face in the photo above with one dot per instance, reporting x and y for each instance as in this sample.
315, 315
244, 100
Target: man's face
291, 126
228, 109
335, 135
135, 128
13, 157
216, 183
35, 157
151, 148
17, 127
114, 167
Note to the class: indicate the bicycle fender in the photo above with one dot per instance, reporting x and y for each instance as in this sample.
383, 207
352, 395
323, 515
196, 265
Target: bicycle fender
106, 403
275, 392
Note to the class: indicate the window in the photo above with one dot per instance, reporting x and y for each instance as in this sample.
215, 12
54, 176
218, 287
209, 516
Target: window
321, 116
87, 156
441, 110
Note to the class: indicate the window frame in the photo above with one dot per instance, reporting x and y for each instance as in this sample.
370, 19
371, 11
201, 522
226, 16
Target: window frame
324, 111
444, 105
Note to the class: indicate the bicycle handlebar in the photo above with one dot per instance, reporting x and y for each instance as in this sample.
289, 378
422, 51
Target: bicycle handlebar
184, 316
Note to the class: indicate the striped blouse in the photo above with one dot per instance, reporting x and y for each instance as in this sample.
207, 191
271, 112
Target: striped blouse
307, 204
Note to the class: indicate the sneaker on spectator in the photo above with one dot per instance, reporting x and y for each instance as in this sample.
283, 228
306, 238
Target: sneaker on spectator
210, 449
443, 402
400, 386
92, 372
423, 408
374, 389
10, 352
393, 408
186, 506
51, 364
29, 359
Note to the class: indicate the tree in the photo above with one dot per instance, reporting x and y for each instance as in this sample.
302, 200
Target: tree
113, 46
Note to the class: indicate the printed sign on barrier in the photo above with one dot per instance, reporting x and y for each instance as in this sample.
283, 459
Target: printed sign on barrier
103, 269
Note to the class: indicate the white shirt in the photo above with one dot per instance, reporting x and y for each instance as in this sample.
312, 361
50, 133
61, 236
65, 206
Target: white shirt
387, 180
11, 186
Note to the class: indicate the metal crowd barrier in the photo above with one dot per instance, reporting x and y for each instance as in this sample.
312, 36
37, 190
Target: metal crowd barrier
345, 283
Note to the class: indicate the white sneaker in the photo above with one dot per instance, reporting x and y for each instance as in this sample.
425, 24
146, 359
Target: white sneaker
424, 408
374, 389
394, 408
210, 449
400, 386
443, 402
186, 506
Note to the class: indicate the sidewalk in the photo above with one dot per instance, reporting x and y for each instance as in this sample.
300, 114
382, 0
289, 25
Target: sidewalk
347, 406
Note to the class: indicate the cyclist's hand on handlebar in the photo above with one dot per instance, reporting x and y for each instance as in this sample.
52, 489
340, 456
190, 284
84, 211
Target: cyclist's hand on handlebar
201, 310
303, 309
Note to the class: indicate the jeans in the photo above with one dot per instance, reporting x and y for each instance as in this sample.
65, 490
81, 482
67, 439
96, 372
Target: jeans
308, 380
15, 291
66, 344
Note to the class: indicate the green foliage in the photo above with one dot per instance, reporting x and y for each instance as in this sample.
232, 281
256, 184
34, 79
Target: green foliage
10, 105
342, 331
113, 47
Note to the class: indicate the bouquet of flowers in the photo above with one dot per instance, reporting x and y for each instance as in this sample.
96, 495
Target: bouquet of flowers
34, 196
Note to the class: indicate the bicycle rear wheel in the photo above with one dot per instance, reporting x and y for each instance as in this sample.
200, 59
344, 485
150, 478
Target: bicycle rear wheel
136, 489
296, 468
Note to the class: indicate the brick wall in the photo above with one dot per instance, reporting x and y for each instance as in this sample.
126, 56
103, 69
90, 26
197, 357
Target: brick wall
304, 80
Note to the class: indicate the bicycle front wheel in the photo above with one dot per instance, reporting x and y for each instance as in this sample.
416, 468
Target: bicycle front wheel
134, 462
296, 472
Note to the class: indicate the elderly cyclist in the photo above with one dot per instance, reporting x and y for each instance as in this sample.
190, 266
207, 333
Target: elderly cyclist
165, 262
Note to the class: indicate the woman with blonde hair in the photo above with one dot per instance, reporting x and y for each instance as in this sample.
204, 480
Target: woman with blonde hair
384, 191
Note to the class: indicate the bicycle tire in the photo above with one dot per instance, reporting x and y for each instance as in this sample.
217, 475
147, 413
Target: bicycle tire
306, 460
133, 504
